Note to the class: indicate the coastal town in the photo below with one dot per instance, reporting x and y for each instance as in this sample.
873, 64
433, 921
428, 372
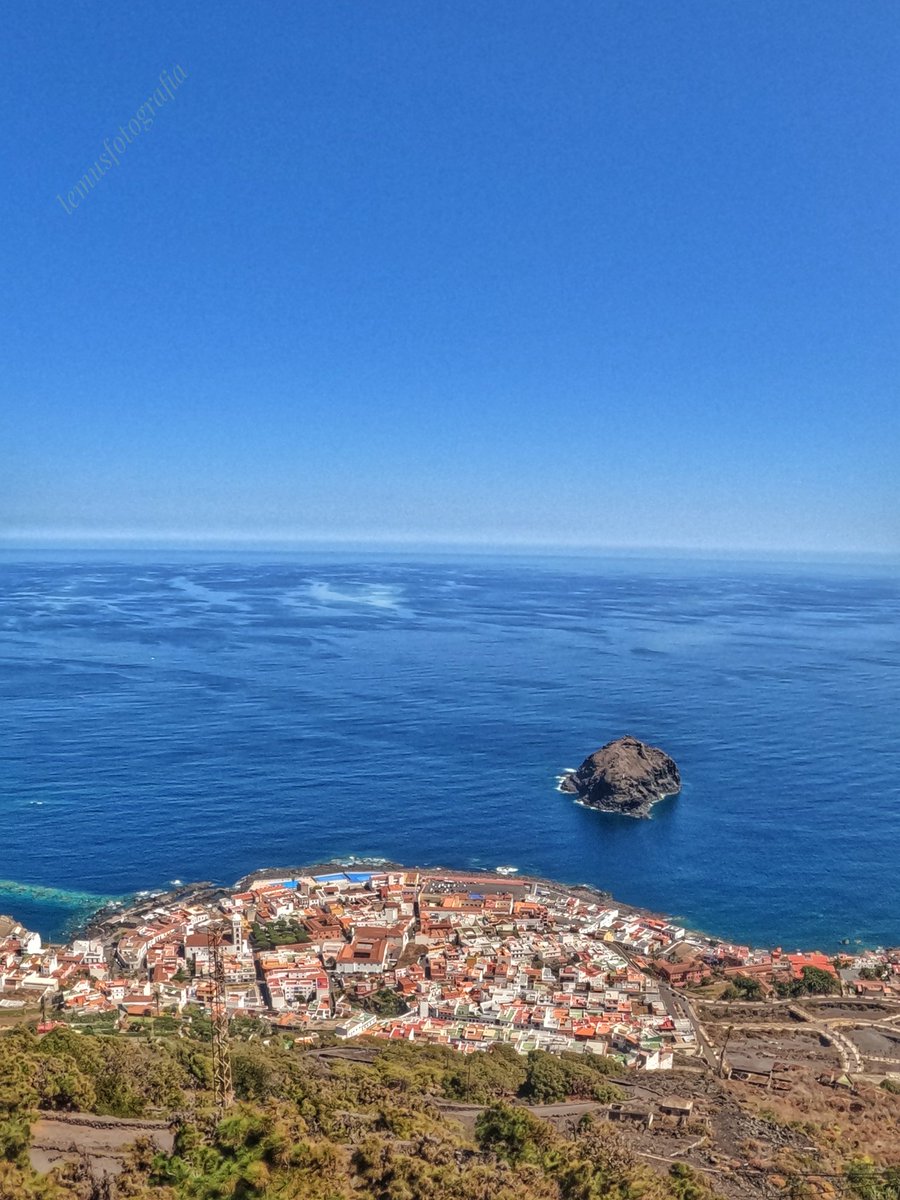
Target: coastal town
433, 956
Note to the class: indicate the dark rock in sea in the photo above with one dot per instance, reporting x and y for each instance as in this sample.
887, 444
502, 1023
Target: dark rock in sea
625, 776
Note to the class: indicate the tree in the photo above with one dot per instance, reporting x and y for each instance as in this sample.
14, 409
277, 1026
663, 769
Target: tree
18, 1099
744, 987
511, 1133
815, 982
480, 1078
61, 1085
386, 1003
547, 1081
877, 972
873, 1183
688, 1184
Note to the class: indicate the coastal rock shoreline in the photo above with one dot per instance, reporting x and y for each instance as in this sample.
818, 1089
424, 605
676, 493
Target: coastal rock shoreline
106, 920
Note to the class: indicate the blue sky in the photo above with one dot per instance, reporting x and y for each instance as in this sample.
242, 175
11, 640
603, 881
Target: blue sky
606, 273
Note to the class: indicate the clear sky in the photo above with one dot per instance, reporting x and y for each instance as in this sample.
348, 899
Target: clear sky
598, 271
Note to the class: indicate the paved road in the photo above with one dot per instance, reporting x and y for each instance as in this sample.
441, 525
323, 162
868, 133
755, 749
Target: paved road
851, 1059
817, 1022
567, 1108
679, 1007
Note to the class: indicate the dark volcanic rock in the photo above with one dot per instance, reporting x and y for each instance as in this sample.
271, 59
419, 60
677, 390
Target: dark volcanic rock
625, 776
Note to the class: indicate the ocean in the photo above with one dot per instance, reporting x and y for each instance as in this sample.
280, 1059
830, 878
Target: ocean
178, 715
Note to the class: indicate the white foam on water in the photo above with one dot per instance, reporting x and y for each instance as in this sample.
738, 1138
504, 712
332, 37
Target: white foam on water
322, 593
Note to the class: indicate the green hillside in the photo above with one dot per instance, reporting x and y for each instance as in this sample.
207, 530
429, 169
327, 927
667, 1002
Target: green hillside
312, 1125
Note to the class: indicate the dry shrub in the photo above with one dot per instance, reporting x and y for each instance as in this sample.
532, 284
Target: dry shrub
844, 1126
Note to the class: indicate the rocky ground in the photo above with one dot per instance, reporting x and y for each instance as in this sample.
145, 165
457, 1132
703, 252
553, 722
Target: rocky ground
67, 1137
625, 776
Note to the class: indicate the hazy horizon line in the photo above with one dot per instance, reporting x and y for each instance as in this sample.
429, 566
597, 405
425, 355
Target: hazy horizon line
209, 541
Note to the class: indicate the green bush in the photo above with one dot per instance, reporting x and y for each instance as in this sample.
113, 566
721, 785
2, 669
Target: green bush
385, 1003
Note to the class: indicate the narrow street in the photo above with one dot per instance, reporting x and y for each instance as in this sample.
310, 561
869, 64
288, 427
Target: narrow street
679, 1007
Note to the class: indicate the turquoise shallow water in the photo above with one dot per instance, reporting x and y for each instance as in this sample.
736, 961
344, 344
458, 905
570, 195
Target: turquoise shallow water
182, 716
56, 911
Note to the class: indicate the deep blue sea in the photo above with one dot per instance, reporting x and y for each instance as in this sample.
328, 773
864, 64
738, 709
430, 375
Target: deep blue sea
189, 716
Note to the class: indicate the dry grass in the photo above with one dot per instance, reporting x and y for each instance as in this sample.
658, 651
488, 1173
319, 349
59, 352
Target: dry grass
844, 1125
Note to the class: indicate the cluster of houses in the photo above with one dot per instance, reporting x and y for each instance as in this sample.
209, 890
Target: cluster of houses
870, 974
420, 956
